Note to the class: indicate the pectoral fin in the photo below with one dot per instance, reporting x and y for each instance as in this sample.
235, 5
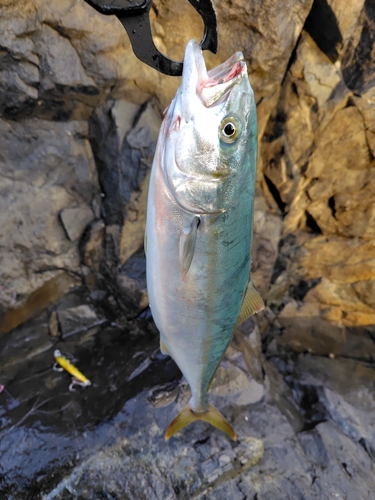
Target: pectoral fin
252, 303
212, 416
188, 239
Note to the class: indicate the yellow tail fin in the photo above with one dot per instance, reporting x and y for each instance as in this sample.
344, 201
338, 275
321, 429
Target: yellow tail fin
212, 416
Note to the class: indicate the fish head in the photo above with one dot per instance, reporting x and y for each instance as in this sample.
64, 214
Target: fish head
209, 134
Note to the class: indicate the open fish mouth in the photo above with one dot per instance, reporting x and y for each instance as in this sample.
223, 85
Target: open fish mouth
196, 169
211, 86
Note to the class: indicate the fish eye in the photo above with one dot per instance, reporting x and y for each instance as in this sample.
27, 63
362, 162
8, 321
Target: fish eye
229, 129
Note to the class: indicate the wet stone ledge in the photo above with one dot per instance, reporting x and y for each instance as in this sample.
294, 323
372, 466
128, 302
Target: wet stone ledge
305, 429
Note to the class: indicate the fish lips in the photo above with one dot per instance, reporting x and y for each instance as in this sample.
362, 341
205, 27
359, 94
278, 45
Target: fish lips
211, 87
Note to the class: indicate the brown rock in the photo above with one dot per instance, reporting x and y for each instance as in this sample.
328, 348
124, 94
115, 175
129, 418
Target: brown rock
103, 57
341, 147
270, 28
359, 59
325, 331
366, 106
75, 220
38, 301
345, 269
365, 291
267, 227
45, 167
340, 259
348, 19
343, 295
318, 164
318, 71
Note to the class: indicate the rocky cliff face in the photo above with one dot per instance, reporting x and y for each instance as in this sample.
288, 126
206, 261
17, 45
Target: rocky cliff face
318, 170
78, 140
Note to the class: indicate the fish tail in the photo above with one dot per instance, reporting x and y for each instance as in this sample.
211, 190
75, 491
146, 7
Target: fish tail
212, 416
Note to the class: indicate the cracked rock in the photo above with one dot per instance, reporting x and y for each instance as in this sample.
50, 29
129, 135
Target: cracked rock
75, 220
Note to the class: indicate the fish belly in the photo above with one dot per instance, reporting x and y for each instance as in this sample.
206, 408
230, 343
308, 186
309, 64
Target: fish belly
196, 316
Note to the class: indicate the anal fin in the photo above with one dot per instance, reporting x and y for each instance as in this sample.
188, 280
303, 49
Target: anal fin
164, 348
212, 416
252, 303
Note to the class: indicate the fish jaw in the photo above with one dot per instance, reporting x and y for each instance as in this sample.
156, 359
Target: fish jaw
207, 86
199, 167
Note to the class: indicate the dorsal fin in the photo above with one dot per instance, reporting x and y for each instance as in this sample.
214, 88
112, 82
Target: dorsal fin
252, 303
188, 239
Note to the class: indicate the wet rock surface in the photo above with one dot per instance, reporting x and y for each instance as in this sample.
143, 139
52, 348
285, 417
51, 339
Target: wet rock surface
305, 431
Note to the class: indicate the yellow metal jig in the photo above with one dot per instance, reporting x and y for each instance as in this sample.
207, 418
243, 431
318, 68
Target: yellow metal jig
78, 377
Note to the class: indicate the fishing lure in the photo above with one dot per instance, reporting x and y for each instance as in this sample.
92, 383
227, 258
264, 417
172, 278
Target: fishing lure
78, 377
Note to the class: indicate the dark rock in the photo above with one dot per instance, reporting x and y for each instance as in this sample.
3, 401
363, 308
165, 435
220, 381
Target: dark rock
356, 71
313, 447
322, 25
248, 341
118, 449
76, 317
123, 159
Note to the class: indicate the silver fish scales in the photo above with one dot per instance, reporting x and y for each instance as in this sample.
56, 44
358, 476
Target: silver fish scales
199, 224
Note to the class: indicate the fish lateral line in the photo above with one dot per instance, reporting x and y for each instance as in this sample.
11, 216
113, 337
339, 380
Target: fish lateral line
78, 377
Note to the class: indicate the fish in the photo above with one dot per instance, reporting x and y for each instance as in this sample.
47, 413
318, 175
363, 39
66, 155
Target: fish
199, 224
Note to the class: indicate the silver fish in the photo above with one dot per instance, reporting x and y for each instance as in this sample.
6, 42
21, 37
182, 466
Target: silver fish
199, 224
